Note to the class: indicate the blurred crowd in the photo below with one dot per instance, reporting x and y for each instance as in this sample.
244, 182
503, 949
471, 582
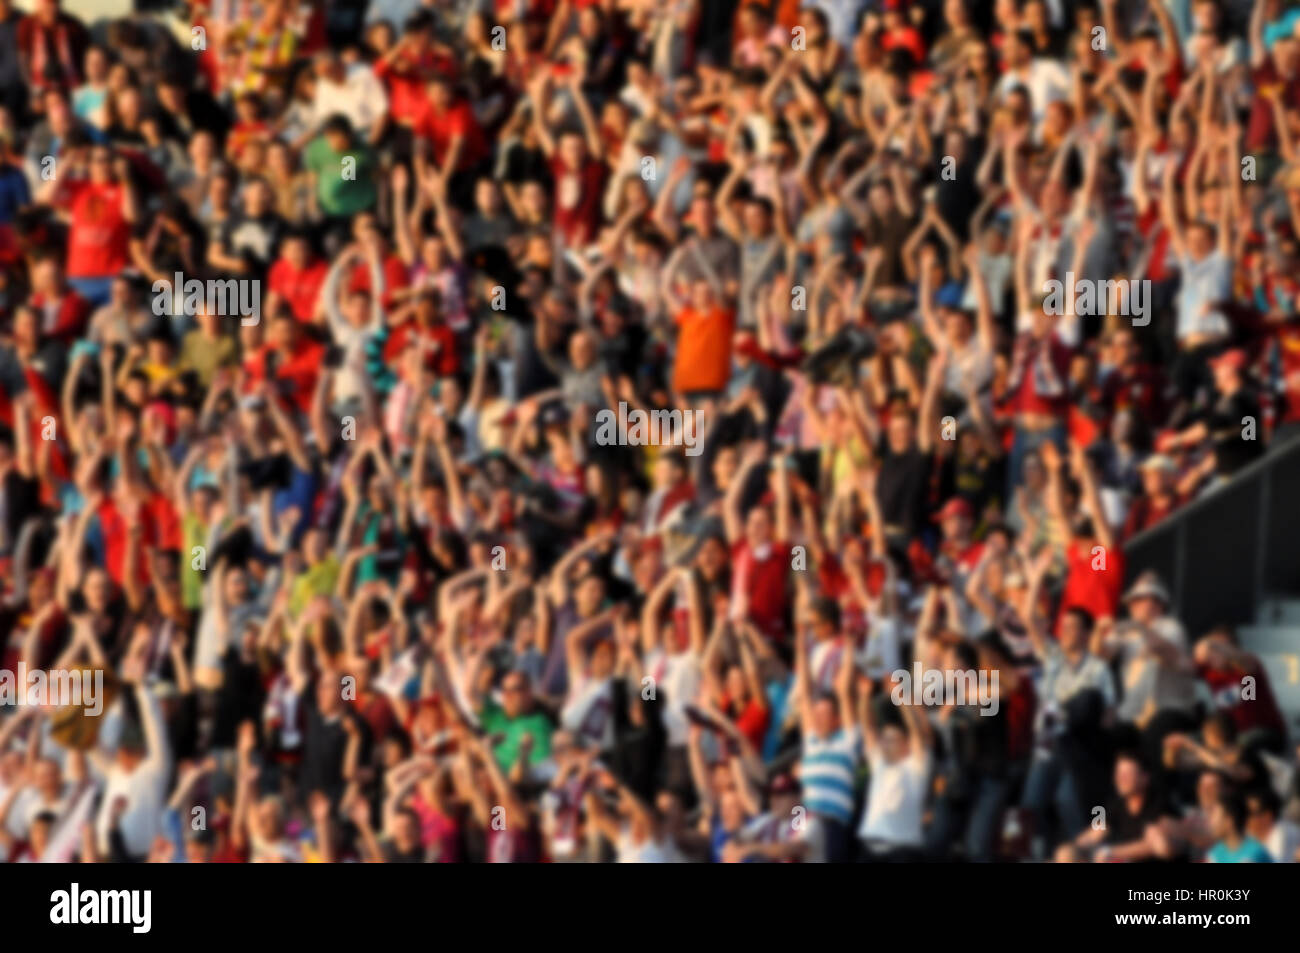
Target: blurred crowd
364, 578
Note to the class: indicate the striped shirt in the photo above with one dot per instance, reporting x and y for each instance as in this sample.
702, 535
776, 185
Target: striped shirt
827, 772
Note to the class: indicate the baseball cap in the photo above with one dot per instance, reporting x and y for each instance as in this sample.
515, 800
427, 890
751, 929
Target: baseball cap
1234, 358
957, 506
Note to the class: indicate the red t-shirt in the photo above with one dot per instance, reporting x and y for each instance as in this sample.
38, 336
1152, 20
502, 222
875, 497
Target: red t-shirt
300, 288
1259, 712
168, 522
440, 127
750, 721
1146, 512
394, 278
98, 233
64, 319
763, 579
439, 343
1096, 590
578, 194
406, 80
1261, 134
298, 369
834, 582
1026, 399
116, 533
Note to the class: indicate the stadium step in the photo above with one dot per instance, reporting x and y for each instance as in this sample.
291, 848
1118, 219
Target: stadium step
1270, 638
1279, 610
1275, 639
1283, 670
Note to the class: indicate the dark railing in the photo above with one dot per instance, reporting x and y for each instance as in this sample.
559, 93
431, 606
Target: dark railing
1220, 554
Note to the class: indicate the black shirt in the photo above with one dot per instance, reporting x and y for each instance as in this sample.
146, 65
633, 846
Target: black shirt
1125, 827
326, 743
1229, 429
901, 487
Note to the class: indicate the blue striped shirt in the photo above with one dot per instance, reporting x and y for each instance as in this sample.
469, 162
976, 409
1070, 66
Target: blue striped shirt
827, 773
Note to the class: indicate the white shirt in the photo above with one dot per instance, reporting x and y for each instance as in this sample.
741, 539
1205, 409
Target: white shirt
882, 654
649, 852
360, 97
1045, 79
679, 677
588, 713
895, 800
145, 788
1283, 842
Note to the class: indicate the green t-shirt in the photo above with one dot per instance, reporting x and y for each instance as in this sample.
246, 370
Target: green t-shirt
194, 534
342, 188
317, 580
496, 721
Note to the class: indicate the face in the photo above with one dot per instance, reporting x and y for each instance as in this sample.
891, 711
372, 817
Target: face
1220, 822
701, 295
1208, 788
956, 526
602, 660
758, 527
582, 351
1129, 777
1200, 240
269, 819
589, 595
40, 835
47, 778
1225, 377
1259, 819
893, 743
1074, 634
711, 557
825, 719
97, 590
1155, 482
757, 220
101, 165
1146, 609
313, 546
900, 433
515, 694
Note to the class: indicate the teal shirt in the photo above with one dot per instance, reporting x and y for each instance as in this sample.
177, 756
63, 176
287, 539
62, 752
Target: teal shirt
1249, 851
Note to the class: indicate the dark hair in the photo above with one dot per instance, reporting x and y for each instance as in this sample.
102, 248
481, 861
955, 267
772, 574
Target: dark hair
824, 607
1269, 802
1083, 615
1225, 630
338, 123
1225, 724
967, 655
1234, 805
1131, 754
